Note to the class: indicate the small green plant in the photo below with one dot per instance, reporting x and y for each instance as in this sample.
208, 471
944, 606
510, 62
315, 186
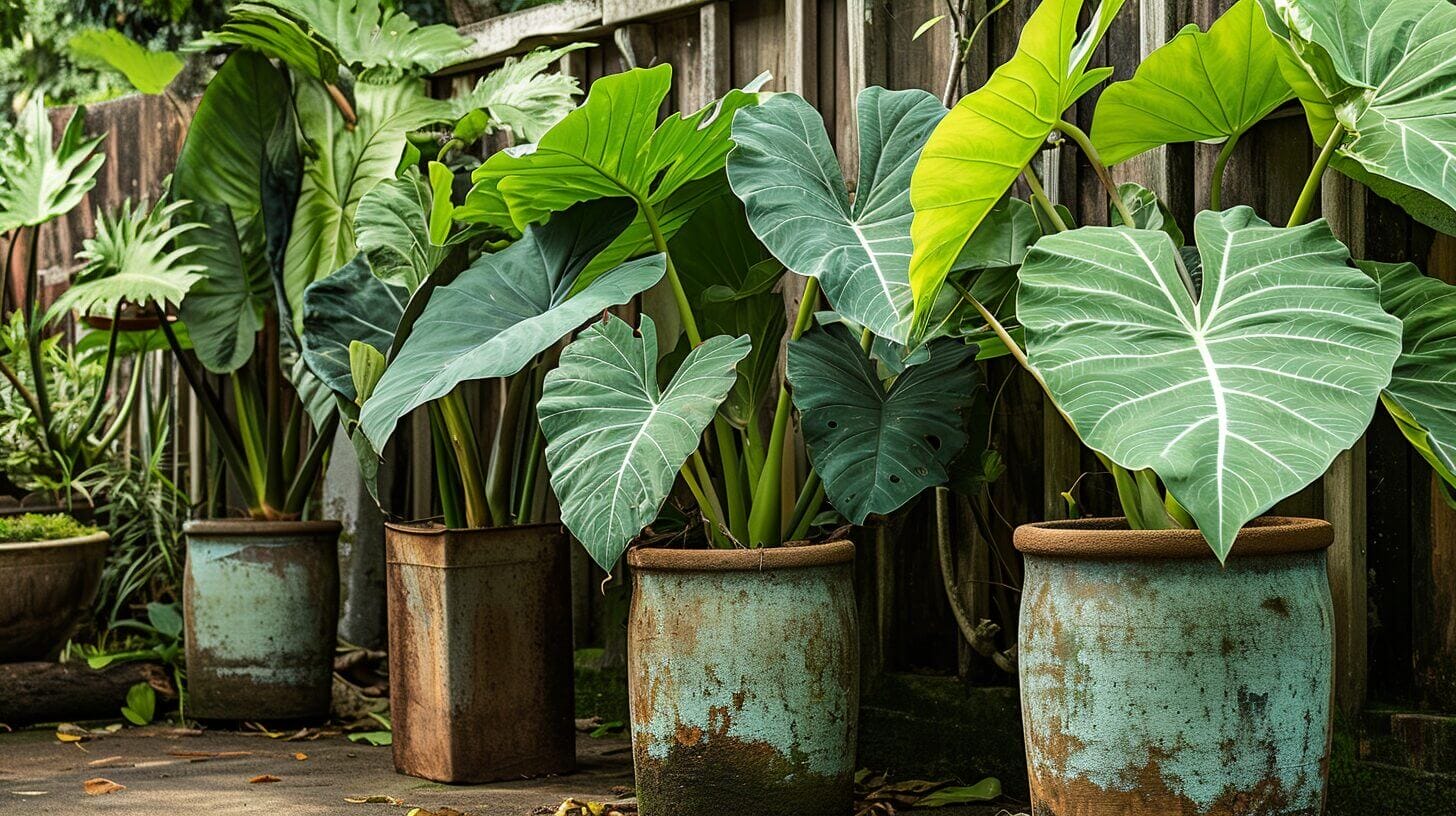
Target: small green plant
141, 704
158, 639
378, 738
36, 527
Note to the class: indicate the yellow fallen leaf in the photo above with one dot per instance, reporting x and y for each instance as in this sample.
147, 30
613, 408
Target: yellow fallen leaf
300, 756
69, 737
263, 779
99, 786
374, 800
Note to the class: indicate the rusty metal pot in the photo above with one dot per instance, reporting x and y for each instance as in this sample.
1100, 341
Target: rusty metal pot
261, 601
1157, 682
480, 653
743, 672
46, 588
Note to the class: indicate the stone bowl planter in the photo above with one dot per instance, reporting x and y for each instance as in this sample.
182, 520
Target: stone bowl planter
46, 588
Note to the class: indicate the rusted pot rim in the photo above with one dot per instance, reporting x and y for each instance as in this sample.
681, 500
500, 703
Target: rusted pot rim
436, 546
755, 560
435, 528
99, 537
253, 528
1111, 538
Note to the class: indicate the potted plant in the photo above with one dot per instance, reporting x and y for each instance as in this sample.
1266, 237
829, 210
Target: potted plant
1212, 380
479, 630
728, 713
52, 567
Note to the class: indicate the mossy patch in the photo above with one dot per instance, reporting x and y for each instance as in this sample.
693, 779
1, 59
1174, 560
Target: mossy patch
37, 527
599, 692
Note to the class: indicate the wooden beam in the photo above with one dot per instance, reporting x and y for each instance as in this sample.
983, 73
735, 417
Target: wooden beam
615, 12
497, 37
715, 51
801, 48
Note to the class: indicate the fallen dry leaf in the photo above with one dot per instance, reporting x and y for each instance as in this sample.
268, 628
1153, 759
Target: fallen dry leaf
106, 761
372, 800
300, 756
264, 778
99, 786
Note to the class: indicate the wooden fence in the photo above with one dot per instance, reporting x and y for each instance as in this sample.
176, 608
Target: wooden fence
1393, 568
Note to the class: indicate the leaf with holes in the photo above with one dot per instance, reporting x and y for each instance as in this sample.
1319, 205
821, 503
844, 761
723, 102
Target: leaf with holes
784, 170
1387, 72
1235, 399
615, 439
980, 148
877, 448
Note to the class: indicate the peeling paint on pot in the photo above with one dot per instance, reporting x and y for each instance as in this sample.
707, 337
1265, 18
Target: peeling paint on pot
480, 652
743, 668
261, 602
1156, 682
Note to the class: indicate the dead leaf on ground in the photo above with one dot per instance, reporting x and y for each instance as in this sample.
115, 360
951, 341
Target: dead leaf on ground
300, 756
99, 787
263, 779
582, 807
70, 732
252, 726
372, 800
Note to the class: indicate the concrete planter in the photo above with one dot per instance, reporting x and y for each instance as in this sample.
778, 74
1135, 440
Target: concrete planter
46, 588
1156, 682
261, 602
743, 672
480, 652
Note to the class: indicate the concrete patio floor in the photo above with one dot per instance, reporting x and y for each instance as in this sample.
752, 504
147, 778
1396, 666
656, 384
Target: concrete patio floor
168, 773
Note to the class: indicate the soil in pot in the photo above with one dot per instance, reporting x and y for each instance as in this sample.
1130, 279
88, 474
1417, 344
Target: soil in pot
480, 652
261, 602
743, 670
1157, 682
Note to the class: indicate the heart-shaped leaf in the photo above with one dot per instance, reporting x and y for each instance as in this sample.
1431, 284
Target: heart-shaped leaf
1200, 87
784, 170
506, 308
986, 140
877, 448
1422, 391
1386, 72
615, 439
148, 71
1236, 399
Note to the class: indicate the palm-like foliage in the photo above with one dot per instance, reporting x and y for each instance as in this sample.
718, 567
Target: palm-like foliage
133, 257
38, 181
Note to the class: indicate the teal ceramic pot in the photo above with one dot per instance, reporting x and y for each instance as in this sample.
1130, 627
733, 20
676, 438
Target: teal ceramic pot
743, 672
261, 602
1157, 682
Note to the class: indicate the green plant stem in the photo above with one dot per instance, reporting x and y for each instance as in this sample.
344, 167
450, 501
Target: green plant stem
123, 413
303, 483
1095, 159
807, 507
535, 450
33, 340
498, 473
450, 144
1215, 184
20, 388
753, 450
94, 415
766, 516
447, 473
467, 454
1038, 195
245, 407
1316, 174
274, 492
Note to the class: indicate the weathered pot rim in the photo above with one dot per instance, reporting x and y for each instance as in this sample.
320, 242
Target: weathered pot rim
429, 527
253, 528
98, 537
741, 560
1111, 538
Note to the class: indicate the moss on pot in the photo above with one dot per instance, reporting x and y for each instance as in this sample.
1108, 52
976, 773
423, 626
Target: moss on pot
37, 527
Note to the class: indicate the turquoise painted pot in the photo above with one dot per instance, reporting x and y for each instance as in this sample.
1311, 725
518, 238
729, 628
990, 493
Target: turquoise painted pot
261, 602
743, 672
1156, 682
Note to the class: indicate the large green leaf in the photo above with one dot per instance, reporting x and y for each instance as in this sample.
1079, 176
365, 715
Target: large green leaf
506, 308
615, 439
1387, 72
878, 447
223, 310
1422, 391
518, 96
222, 159
978, 150
1236, 399
395, 228
611, 146
729, 278
135, 257
369, 37
39, 181
352, 305
349, 163
785, 171
1200, 87
148, 71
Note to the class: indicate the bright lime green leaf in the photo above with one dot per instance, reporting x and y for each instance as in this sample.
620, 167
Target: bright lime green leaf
926, 26
615, 439
40, 182
987, 139
1386, 71
148, 71
784, 170
141, 704
877, 448
134, 257
442, 209
366, 367
1199, 87
1422, 392
506, 308
1237, 399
